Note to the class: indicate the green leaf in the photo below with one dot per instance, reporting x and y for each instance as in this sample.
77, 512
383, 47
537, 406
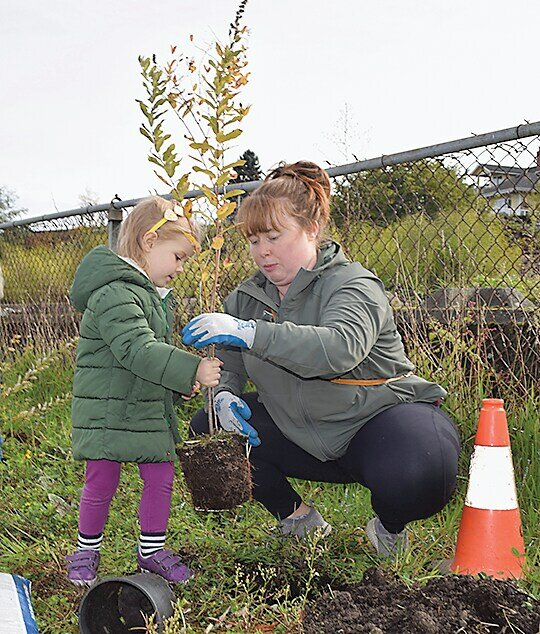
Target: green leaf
235, 164
222, 107
223, 138
208, 173
170, 168
144, 62
146, 134
181, 188
214, 125
143, 107
168, 183
169, 152
203, 147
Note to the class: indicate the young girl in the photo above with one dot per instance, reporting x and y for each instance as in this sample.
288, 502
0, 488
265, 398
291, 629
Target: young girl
126, 373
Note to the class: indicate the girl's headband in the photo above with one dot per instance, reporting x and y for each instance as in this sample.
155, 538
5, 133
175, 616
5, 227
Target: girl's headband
170, 214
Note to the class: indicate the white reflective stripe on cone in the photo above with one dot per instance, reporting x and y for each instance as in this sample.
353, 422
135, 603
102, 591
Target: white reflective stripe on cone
491, 479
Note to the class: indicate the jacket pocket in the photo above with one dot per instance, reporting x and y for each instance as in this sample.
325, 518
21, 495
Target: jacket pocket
133, 398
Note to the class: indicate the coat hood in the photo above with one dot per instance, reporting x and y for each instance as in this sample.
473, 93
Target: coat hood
97, 269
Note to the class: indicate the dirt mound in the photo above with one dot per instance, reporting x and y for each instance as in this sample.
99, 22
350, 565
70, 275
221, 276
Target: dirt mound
382, 604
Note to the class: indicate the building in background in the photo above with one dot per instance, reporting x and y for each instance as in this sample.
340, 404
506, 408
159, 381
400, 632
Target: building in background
510, 190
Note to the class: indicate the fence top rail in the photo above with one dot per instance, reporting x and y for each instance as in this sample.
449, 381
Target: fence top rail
520, 131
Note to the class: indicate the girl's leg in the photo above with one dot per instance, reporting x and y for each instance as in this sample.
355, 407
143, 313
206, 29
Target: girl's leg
154, 513
407, 457
155, 505
276, 459
101, 482
102, 477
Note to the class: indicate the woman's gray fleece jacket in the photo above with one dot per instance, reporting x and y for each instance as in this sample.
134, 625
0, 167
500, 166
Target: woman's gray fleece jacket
334, 321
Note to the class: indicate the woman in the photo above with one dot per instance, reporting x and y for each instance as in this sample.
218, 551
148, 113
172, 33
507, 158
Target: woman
337, 399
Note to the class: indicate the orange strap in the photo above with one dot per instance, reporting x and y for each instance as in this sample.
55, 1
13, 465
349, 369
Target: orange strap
370, 381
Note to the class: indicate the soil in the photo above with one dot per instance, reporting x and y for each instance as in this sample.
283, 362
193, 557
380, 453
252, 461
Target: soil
383, 604
217, 471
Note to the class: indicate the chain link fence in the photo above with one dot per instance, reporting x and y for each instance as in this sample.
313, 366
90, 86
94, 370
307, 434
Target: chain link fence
453, 230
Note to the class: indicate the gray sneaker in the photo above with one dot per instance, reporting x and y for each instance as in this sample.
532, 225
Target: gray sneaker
303, 525
387, 545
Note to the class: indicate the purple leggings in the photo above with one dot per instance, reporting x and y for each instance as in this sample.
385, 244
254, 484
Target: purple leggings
102, 477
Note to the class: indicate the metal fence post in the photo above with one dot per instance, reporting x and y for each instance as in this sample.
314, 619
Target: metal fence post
114, 219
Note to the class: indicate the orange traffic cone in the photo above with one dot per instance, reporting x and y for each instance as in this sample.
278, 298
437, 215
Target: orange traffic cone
490, 538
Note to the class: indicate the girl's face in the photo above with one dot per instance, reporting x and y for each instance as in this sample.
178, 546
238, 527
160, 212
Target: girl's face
166, 258
281, 253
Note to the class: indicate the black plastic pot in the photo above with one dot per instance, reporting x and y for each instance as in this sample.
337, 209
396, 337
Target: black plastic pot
119, 604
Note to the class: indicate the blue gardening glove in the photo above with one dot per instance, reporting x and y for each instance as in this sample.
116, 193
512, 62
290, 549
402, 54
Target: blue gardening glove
233, 413
219, 328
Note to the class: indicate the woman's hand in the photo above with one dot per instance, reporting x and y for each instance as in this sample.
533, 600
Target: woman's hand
209, 372
219, 328
233, 414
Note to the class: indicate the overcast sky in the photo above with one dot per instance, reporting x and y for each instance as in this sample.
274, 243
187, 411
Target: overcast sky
327, 79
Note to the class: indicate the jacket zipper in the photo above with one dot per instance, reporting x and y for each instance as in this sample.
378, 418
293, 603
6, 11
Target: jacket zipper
311, 426
307, 421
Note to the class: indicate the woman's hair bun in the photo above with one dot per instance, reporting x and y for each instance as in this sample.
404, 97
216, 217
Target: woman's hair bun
314, 178
301, 190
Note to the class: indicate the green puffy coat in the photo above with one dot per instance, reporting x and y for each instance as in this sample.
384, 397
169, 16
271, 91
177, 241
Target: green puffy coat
126, 368
334, 322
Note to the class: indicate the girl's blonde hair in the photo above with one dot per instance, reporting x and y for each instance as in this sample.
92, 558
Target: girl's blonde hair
143, 217
298, 190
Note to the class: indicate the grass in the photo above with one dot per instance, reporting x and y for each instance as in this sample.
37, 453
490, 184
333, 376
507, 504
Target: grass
246, 581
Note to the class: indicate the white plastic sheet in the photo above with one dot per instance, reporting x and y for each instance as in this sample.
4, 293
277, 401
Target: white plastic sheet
16, 613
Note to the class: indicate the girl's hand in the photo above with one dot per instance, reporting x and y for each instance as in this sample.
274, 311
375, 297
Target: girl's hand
194, 390
209, 372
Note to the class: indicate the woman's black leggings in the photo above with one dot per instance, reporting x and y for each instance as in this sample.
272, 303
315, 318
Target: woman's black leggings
406, 456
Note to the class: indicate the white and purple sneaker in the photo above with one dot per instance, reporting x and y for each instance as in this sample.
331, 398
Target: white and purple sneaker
166, 564
82, 567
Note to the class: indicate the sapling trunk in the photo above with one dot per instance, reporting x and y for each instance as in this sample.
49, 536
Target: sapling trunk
212, 417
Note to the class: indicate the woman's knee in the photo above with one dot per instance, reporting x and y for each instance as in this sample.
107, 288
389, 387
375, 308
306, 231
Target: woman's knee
418, 458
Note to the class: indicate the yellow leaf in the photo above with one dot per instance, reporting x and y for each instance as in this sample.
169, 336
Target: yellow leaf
212, 198
226, 210
188, 207
191, 239
217, 243
233, 193
224, 178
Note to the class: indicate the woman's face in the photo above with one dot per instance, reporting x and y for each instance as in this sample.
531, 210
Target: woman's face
281, 253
